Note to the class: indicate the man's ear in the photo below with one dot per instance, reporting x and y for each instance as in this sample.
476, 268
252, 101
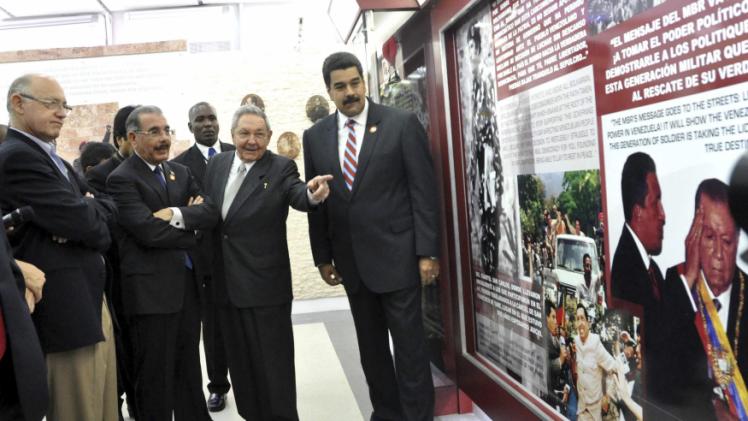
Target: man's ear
189, 126
16, 103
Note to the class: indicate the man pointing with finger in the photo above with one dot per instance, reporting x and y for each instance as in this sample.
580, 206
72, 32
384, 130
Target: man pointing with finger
378, 231
252, 189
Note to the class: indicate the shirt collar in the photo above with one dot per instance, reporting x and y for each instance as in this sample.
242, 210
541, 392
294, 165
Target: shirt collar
151, 166
236, 162
204, 149
639, 246
359, 118
723, 298
47, 147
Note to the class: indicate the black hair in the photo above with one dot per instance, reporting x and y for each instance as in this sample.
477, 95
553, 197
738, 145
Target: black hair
94, 152
474, 35
118, 128
549, 306
586, 316
714, 189
634, 181
340, 61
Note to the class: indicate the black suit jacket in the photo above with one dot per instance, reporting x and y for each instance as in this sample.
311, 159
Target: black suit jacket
376, 232
152, 252
27, 376
630, 281
251, 242
69, 316
193, 159
97, 175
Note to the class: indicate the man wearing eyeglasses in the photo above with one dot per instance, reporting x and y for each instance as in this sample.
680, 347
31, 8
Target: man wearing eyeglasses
65, 239
160, 207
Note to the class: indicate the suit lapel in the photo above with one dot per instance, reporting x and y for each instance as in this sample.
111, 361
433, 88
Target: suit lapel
254, 177
330, 150
222, 177
197, 162
371, 133
150, 178
46, 156
734, 304
172, 186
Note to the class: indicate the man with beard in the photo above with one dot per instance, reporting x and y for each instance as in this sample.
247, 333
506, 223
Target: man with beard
160, 207
589, 290
203, 123
711, 253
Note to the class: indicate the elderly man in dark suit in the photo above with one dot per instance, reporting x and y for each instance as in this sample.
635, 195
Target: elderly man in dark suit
253, 189
23, 373
204, 126
160, 207
377, 233
711, 255
65, 239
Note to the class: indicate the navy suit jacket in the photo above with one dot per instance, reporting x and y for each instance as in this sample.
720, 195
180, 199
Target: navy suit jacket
375, 232
152, 252
69, 316
27, 375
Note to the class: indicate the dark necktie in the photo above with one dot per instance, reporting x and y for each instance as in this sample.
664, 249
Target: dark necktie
717, 304
160, 176
653, 281
211, 152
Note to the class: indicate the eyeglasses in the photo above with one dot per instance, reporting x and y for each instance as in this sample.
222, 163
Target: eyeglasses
50, 104
156, 132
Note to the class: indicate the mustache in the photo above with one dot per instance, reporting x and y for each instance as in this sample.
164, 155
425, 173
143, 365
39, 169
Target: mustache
351, 99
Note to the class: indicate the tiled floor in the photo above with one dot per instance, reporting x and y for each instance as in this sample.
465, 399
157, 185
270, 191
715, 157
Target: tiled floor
330, 383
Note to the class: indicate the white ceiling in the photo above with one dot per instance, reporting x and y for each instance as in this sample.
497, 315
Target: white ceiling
25, 8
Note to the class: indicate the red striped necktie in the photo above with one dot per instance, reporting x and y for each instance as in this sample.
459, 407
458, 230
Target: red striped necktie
350, 163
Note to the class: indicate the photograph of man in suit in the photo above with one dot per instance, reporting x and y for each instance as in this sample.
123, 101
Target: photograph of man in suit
377, 233
23, 373
65, 239
203, 123
160, 207
96, 178
253, 189
711, 254
636, 277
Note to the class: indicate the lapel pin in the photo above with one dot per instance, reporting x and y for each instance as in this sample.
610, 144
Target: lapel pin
373, 129
172, 177
265, 185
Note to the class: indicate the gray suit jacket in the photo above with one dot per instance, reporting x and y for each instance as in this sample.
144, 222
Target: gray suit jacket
252, 265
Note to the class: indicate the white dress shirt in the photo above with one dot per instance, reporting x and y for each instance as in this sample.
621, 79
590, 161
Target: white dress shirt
205, 149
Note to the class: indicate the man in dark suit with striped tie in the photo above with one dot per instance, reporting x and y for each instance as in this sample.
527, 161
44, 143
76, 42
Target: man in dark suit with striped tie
160, 207
204, 126
377, 233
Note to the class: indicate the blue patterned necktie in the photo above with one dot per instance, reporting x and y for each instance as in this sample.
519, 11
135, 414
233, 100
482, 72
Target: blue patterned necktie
211, 152
160, 176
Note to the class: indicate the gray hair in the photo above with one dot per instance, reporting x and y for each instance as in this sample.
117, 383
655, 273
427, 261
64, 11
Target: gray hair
132, 124
19, 86
248, 109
